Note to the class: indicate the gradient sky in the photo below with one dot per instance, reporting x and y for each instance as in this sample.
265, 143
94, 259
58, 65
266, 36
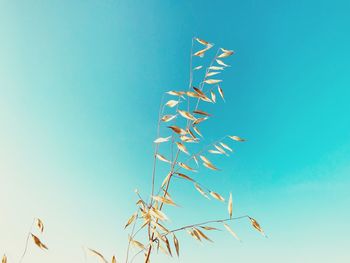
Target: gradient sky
80, 86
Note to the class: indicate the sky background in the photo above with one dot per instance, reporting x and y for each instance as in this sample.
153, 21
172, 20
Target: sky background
80, 86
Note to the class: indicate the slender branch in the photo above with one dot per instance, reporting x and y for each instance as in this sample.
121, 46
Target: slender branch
27, 241
138, 253
204, 223
129, 243
161, 109
161, 206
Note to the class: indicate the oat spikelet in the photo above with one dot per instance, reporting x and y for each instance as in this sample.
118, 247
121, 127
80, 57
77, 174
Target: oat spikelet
177, 245
229, 229
172, 103
217, 196
162, 158
212, 81
186, 115
256, 225
221, 63
203, 42
230, 206
164, 200
201, 112
167, 118
40, 225
201, 234
226, 146
213, 96
185, 166
216, 68
38, 242
185, 177
221, 92
178, 130
131, 219
175, 93
162, 139
182, 148
238, 139
201, 191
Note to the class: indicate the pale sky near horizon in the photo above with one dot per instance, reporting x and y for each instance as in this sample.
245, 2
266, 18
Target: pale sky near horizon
80, 86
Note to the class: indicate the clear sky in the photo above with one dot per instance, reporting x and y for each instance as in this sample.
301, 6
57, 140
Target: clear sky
80, 86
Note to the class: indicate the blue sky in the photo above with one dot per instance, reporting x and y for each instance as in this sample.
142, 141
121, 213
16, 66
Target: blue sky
80, 86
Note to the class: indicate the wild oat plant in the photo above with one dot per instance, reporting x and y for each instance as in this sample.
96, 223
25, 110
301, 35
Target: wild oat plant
180, 117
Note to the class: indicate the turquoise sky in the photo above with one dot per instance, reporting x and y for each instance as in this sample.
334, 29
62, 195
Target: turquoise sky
80, 86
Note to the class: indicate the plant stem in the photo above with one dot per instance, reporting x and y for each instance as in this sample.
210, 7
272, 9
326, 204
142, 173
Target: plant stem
207, 222
161, 109
27, 241
132, 233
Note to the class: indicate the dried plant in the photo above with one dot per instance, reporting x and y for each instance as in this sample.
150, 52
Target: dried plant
179, 117
182, 116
